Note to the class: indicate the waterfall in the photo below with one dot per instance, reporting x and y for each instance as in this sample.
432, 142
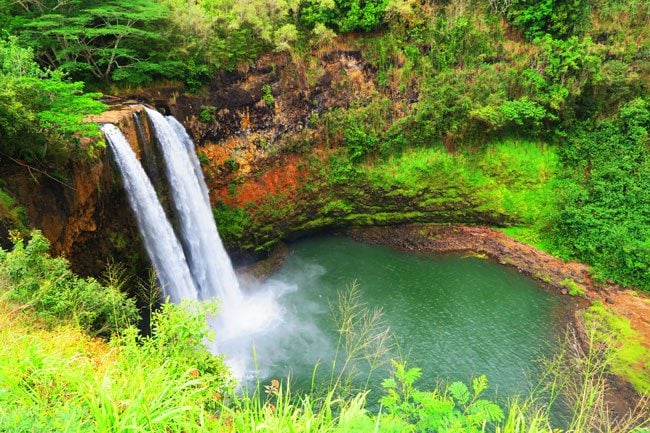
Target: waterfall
209, 263
198, 267
182, 134
162, 246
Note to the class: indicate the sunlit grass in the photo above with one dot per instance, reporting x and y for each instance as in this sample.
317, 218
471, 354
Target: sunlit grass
630, 358
511, 177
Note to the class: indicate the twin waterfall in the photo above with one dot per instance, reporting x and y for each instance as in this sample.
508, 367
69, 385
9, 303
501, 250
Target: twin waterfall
197, 266
159, 239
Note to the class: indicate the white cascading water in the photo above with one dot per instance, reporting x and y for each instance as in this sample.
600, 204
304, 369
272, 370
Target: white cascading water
198, 267
241, 319
209, 263
162, 246
182, 134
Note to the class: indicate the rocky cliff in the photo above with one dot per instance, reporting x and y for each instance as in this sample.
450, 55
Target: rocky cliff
274, 167
267, 152
84, 213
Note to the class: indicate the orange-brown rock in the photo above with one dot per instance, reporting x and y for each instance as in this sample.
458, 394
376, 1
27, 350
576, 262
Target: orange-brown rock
81, 212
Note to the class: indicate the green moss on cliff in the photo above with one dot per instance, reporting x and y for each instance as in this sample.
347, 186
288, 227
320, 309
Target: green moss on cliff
12, 215
629, 357
507, 182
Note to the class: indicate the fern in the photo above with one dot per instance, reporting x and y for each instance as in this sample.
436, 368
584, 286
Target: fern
460, 392
479, 384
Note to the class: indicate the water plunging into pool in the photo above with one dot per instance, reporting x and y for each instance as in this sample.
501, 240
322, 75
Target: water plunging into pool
210, 265
197, 266
455, 317
162, 246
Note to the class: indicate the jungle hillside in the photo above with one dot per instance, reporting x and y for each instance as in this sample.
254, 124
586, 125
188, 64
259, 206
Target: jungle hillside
510, 131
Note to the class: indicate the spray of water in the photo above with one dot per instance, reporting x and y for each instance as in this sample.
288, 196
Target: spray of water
244, 320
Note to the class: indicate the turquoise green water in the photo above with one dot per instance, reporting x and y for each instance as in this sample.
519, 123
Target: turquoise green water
454, 317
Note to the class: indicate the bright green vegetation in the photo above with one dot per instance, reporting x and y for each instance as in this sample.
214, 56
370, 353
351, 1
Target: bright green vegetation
42, 113
531, 115
470, 122
56, 294
61, 380
138, 41
55, 377
510, 178
231, 221
475, 85
574, 288
508, 182
457, 83
529, 236
605, 212
630, 359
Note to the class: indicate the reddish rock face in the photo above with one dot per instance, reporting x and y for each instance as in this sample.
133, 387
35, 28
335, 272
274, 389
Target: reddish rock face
252, 117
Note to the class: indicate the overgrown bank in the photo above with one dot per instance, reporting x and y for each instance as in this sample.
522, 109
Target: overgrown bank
55, 377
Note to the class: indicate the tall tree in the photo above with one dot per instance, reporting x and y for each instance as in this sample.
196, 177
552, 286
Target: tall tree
91, 37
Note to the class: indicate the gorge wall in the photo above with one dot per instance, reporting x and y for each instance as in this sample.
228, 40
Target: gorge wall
85, 215
275, 169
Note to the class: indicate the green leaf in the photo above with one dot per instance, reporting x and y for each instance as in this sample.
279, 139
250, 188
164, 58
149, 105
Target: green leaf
479, 384
460, 392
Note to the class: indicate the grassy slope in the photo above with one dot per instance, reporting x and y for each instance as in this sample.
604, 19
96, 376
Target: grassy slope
58, 379
630, 358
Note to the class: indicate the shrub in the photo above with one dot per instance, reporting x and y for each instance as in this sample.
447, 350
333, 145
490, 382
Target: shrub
41, 113
207, 113
574, 288
63, 380
48, 285
560, 18
629, 357
605, 199
455, 408
231, 222
344, 15
267, 95
12, 215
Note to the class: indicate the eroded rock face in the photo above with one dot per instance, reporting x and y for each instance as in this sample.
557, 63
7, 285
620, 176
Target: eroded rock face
246, 118
262, 162
267, 166
86, 216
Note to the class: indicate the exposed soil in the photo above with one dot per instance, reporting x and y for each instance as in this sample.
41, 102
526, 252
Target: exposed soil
282, 180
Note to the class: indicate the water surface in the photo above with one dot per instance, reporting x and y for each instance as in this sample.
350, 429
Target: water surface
455, 317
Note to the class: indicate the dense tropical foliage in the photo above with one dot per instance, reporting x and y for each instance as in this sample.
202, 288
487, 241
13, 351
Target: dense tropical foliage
532, 114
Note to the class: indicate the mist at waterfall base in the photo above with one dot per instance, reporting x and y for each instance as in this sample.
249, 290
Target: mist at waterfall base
456, 317
196, 267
